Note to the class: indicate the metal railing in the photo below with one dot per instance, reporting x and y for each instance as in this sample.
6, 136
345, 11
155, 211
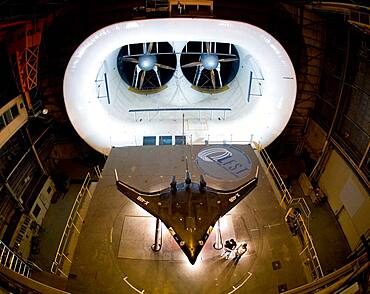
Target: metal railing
63, 258
98, 172
286, 197
301, 202
10, 260
335, 280
308, 251
193, 112
22, 173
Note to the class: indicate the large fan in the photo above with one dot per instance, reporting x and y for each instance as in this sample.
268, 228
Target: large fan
207, 60
139, 64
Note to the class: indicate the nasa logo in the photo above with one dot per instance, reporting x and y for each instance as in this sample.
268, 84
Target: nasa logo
214, 153
224, 162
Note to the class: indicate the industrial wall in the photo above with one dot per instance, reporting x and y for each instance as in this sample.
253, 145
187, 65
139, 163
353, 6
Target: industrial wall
13, 115
347, 197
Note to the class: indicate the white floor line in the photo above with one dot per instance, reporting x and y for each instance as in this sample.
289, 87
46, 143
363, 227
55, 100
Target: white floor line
236, 288
128, 283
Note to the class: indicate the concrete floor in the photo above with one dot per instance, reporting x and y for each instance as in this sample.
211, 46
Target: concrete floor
258, 219
53, 226
326, 231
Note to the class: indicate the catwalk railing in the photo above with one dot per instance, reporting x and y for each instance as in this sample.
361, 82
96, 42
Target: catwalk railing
308, 248
338, 281
64, 255
208, 113
10, 260
286, 197
98, 171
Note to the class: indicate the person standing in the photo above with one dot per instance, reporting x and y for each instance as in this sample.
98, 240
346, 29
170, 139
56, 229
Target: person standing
229, 247
233, 243
227, 251
240, 250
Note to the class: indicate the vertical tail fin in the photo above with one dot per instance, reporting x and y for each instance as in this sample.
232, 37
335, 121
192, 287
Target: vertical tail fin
187, 173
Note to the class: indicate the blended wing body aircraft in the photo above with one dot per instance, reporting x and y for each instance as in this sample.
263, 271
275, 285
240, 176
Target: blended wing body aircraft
189, 210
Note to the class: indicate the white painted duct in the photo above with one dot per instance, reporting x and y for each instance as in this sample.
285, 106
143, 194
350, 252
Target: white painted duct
104, 125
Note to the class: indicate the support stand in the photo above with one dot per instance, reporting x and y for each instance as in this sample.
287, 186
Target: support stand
218, 243
158, 236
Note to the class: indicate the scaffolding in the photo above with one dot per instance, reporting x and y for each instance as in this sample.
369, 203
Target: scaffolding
24, 51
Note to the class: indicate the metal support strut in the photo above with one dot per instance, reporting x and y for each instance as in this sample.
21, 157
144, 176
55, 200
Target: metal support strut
157, 238
218, 243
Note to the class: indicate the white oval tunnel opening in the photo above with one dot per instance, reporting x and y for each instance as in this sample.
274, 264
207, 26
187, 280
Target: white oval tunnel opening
255, 104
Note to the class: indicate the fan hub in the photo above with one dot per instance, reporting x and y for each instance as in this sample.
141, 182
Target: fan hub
147, 62
209, 61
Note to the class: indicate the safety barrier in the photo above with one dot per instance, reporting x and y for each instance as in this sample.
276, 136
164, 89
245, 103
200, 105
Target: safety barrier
286, 197
340, 279
192, 112
309, 252
98, 172
63, 258
10, 260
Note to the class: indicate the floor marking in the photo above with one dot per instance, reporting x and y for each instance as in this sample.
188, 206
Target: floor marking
253, 230
273, 225
128, 283
236, 288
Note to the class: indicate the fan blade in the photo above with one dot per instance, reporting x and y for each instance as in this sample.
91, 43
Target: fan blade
192, 64
213, 78
218, 69
142, 79
228, 59
198, 73
150, 48
155, 68
164, 66
136, 75
129, 59
207, 47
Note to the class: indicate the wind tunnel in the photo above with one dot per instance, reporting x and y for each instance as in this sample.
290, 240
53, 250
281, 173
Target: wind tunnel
210, 80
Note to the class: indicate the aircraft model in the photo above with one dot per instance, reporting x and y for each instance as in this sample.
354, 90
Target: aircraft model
189, 210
